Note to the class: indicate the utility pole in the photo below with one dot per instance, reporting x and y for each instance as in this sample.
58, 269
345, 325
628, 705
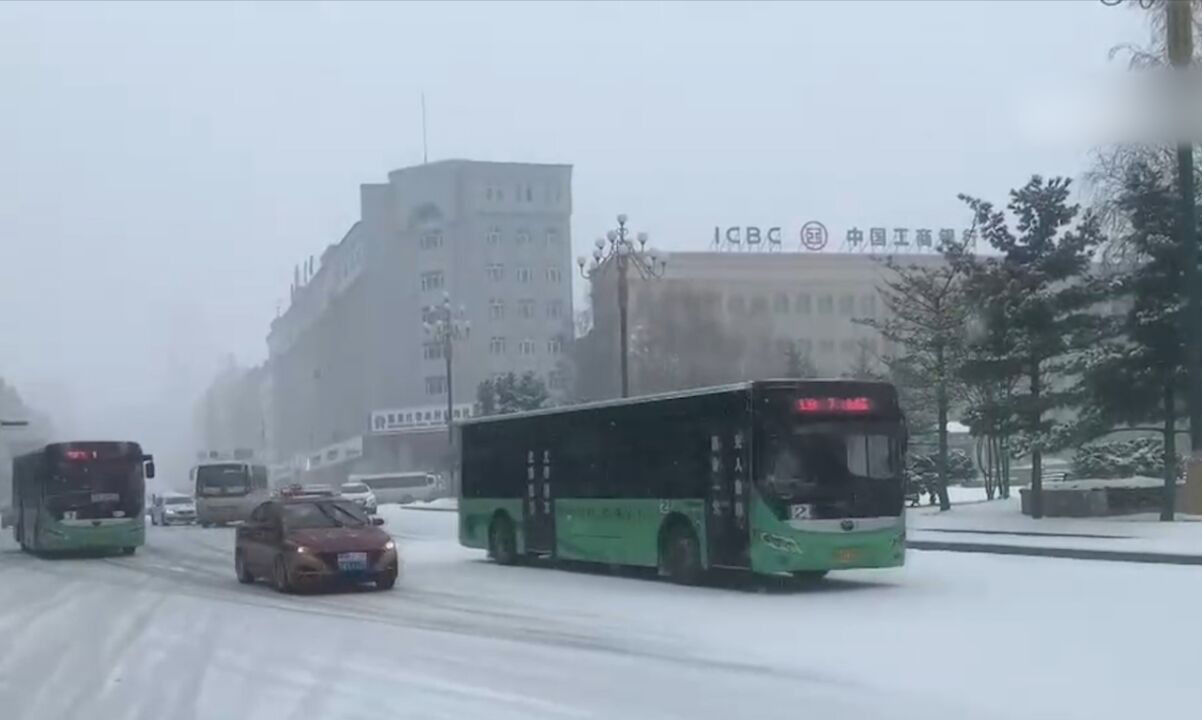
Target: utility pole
1179, 26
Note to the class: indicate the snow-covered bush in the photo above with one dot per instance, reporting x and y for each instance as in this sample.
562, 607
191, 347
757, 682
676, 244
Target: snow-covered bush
1121, 459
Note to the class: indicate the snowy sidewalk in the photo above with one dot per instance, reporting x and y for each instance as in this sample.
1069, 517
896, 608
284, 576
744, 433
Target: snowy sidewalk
997, 526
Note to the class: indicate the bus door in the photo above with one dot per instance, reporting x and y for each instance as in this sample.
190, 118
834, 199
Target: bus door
727, 506
539, 513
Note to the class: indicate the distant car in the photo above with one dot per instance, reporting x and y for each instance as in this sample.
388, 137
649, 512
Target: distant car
173, 509
302, 491
360, 494
308, 541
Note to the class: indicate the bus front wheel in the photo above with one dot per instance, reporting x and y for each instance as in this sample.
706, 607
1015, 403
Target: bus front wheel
502, 542
680, 555
128, 550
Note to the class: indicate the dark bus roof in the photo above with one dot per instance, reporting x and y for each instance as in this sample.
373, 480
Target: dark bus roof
131, 446
782, 383
56, 448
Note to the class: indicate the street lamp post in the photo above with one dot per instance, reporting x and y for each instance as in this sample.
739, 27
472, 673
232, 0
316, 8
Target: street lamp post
445, 324
624, 254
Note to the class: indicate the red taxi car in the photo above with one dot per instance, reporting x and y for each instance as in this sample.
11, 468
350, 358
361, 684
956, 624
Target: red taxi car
300, 541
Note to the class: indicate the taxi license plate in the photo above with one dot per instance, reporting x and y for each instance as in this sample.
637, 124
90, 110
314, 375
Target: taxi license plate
352, 562
846, 555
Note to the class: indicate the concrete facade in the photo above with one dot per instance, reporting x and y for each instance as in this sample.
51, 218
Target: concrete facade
495, 237
771, 300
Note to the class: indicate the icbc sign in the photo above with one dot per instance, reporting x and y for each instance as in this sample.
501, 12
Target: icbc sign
813, 237
749, 236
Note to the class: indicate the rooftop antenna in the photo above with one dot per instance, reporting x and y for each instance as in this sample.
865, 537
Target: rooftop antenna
425, 147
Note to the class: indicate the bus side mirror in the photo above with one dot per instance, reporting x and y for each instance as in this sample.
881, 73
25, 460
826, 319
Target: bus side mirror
150, 469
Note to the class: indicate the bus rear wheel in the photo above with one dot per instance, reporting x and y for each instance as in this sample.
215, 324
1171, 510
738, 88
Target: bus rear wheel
681, 555
502, 542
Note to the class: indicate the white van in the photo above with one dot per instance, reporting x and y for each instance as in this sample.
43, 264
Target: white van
400, 487
226, 492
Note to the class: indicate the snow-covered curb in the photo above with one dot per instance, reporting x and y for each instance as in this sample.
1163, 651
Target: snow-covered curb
439, 505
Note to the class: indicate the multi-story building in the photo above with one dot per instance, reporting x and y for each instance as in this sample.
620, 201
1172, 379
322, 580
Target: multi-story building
355, 375
231, 416
767, 302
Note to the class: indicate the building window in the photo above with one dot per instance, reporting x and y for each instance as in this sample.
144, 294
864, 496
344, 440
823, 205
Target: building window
436, 384
500, 195
555, 346
496, 346
431, 240
432, 351
432, 280
526, 308
780, 303
847, 305
805, 346
555, 309
759, 305
736, 305
529, 194
826, 346
802, 304
552, 237
524, 274
522, 237
826, 305
554, 275
847, 347
495, 271
493, 238
496, 309
526, 347
868, 305
488, 193
556, 380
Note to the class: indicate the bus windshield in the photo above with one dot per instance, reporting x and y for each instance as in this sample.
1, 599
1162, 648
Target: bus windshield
842, 466
222, 480
95, 488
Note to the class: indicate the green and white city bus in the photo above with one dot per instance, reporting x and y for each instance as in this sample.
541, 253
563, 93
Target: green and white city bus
81, 496
773, 476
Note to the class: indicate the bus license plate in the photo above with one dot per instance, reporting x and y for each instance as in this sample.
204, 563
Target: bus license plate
801, 512
105, 497
352, 562
846, 555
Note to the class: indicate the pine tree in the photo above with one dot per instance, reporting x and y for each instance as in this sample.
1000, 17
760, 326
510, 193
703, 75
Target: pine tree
925, 319
511, 393
1037, 298
1140, 376
798, 364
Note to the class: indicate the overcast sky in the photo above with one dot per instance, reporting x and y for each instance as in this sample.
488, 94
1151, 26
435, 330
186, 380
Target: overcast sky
163, 166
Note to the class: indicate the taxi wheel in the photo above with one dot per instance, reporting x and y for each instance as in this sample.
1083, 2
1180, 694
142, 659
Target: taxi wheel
279, 575
244, 576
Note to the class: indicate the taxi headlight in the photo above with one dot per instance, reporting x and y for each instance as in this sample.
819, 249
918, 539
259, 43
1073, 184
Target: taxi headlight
390, 545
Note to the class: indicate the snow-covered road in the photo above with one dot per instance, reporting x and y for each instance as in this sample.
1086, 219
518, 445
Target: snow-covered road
169, 633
